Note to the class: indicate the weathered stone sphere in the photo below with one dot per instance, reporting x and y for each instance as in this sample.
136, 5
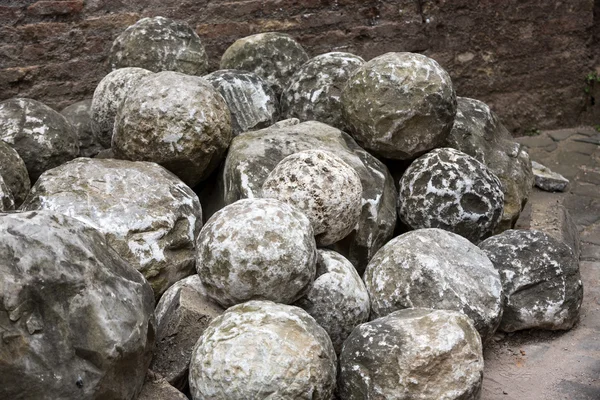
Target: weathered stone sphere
43, 138
260, 350
108, 98
273, 56
79, 116
451, 190
178, 121
149, 216
541, 280
315, 88
159, 44
338, 299
399, 105
77, 320
256, 249
416, 354
14, 173
252, 102
433, 268
321, 185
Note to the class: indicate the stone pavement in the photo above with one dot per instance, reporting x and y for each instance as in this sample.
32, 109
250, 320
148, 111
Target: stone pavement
538, 365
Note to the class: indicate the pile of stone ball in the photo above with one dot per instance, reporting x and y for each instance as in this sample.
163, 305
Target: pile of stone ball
310, 229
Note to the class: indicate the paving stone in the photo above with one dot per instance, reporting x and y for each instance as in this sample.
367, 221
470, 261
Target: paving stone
579, 147
586, 189
591, 235
557, 136
540, 141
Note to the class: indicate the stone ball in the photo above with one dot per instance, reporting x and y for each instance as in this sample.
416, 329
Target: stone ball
159, 44
324, 187
252, 102
14, 173
178, 121
273, 56
433, 268
415, 354
43, 138
399, 105
256, 249
338, 299
315, 88
77, 319
108, 98
260, 350
451, 190
79, 116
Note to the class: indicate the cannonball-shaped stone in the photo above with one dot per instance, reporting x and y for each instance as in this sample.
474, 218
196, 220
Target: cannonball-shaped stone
108, 98
399, 105
43, 138
338, 299
252, 102
14, 173
260, 350
77, 320
273, 56
178, 121
451, 190
79, 116
256, 249
159, 44
416, 354
541, 280
324, 187
433, 268
148, 215
315, 88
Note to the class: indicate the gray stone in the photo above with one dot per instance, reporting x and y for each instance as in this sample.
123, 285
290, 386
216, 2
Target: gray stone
322, 186
106, 153
338, 299
149, 216
7, 202
80, 117
253, 155
178, 121
399, 105
159, 44
415, 354
540, 277
157, 388
260, 350
252, 102
108, 98
432, 268
43, 138
14, 173
76, 320
451, 190
547, 180
273, 56
256, 249
182, 314
315, 88
478, 132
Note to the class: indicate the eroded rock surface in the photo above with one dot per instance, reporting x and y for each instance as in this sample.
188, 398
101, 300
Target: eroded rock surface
548, 180
79, 116
14, 173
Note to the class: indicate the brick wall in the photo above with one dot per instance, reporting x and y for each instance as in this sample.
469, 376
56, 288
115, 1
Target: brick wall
527, 59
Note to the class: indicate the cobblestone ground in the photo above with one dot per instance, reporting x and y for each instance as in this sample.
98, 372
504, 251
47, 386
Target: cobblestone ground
537, 365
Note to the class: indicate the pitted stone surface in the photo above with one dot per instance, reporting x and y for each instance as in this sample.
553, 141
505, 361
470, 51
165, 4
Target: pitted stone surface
273, 56
321, 185
76, 319
253, 155
415, 354
108, 98
252, 102
79, 116
399, 105
478, 132
338, 299
451, 190
541, 280
256, 249
14, 173
315, 88
432, 268
43, 138
260, 350
178, 121
159, 44
149, 216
